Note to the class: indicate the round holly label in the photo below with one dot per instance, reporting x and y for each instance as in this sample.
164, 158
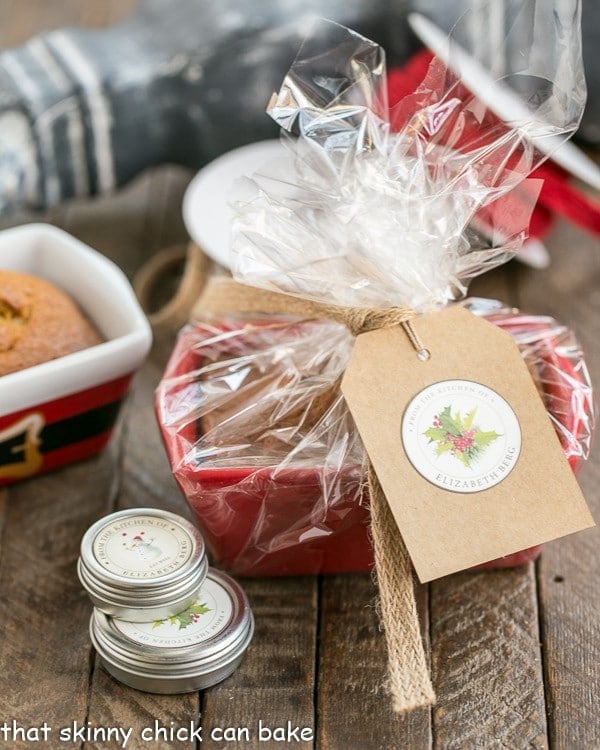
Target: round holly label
142, 547
208, 616
461, 436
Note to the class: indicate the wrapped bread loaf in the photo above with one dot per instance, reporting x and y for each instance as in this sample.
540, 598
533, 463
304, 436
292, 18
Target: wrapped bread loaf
266, 452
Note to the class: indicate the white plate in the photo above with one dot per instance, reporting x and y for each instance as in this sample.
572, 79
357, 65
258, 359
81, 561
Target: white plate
104, 294
206, 211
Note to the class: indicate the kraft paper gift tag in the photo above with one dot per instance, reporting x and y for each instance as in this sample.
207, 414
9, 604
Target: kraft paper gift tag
461, 442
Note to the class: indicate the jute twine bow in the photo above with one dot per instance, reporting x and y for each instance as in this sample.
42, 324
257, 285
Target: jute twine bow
409, 682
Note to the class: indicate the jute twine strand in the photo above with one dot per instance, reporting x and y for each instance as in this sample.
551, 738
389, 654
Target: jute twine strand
409, 682
408, 673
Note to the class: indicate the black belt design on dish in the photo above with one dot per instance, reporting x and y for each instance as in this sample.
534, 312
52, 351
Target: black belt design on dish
29, 436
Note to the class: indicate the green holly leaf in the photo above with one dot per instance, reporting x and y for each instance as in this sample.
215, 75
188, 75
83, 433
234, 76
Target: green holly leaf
473, 452
449, 427
185, 618
443, 448
448, 424
463, 458
485, 438
469, 419
434, 434
199, 609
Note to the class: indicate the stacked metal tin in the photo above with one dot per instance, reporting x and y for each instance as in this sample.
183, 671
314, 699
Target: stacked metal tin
163, 621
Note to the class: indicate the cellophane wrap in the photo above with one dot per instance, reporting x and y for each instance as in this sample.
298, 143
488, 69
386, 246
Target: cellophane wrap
376, 207
266, 452
370, 207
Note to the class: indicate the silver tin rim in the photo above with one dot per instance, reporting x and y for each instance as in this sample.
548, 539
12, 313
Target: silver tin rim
141, 598
126, 607
180, 547
160, 685
98, 571
180, 668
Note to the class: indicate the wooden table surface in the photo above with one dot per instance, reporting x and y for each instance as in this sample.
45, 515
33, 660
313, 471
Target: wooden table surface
515, 655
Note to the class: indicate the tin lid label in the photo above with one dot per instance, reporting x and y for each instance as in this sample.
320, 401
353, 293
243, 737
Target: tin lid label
210, 614
142, 547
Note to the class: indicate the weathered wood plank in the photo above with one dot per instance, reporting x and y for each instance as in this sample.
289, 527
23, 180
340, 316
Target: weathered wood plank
266, 690
568, 569
570, 620
45, 648
275, 683
3, 508
354, 709
147, 477
487, 662
19, 21
152, 720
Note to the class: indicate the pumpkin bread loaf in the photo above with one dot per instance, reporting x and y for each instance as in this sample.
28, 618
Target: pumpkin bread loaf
38, 323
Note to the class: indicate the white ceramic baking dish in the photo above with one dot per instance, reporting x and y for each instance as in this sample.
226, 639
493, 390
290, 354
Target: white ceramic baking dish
65, 409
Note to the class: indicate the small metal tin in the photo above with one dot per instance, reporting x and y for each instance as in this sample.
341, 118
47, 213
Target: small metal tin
142, 564
191, 651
